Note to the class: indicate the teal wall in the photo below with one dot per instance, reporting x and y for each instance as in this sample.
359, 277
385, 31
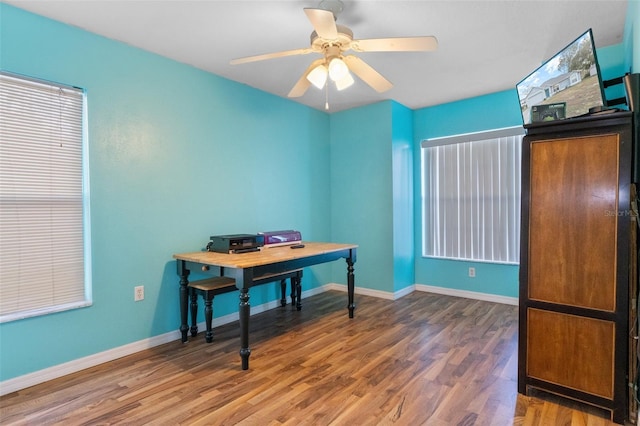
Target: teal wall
402, 198
165, 143
176, 155
372, 193
361, 191
612, 66
631, 39
487, 112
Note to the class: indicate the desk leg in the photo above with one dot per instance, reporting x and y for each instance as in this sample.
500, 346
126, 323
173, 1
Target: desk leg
244, 311
298, 290
350, 286
283, 293
184, 299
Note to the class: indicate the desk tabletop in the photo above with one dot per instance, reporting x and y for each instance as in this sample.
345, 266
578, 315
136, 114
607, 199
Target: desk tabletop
266, 256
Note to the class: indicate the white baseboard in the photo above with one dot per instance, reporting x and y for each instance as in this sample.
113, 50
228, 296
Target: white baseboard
505, 300
41, 376
359, 290
373, 293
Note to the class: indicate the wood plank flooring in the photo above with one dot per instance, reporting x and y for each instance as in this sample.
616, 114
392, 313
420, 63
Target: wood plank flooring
425, 359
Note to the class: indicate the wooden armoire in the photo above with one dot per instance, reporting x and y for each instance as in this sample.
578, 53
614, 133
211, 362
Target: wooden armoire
576, 301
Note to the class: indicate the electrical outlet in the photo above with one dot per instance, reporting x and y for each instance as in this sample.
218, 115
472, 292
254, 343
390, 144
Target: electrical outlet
472, 272
138, 293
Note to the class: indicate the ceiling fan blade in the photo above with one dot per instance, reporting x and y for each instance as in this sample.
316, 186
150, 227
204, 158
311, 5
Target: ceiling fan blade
323, 22
367, 74
271, 56
396, 44
303, 84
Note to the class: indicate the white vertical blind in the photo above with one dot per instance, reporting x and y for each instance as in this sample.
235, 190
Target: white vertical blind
41, 198
471, 196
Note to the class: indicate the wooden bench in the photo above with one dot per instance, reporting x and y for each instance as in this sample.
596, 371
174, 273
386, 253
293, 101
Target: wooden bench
209, 288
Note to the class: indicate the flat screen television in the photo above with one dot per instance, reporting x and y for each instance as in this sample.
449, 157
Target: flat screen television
565, 86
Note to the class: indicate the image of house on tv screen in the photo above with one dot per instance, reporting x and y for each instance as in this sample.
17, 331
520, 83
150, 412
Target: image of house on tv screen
570, 81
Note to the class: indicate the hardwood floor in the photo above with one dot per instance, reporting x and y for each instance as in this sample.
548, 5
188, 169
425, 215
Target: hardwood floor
425, 359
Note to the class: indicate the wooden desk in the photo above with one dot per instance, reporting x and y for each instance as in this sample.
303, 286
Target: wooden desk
247, 268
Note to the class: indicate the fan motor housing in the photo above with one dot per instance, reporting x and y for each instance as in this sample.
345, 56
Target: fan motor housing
345, 36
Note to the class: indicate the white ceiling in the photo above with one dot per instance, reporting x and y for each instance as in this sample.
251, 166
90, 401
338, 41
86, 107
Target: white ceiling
484, 46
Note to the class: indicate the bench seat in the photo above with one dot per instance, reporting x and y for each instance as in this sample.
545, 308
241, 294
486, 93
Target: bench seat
211, 287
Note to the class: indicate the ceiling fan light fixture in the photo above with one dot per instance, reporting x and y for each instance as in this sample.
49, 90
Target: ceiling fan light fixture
318, 76
338, 69
332, 41
344, 82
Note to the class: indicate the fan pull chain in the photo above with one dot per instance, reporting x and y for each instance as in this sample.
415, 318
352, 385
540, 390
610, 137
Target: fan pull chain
326, 95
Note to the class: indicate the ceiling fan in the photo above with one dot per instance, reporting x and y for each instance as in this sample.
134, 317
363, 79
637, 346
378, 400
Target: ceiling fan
333, 41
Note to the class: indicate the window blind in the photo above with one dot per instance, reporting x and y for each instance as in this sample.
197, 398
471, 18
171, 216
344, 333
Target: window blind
471, 196
41, 198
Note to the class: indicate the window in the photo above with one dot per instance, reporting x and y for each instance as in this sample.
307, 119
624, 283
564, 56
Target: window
471, 196
44, 232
